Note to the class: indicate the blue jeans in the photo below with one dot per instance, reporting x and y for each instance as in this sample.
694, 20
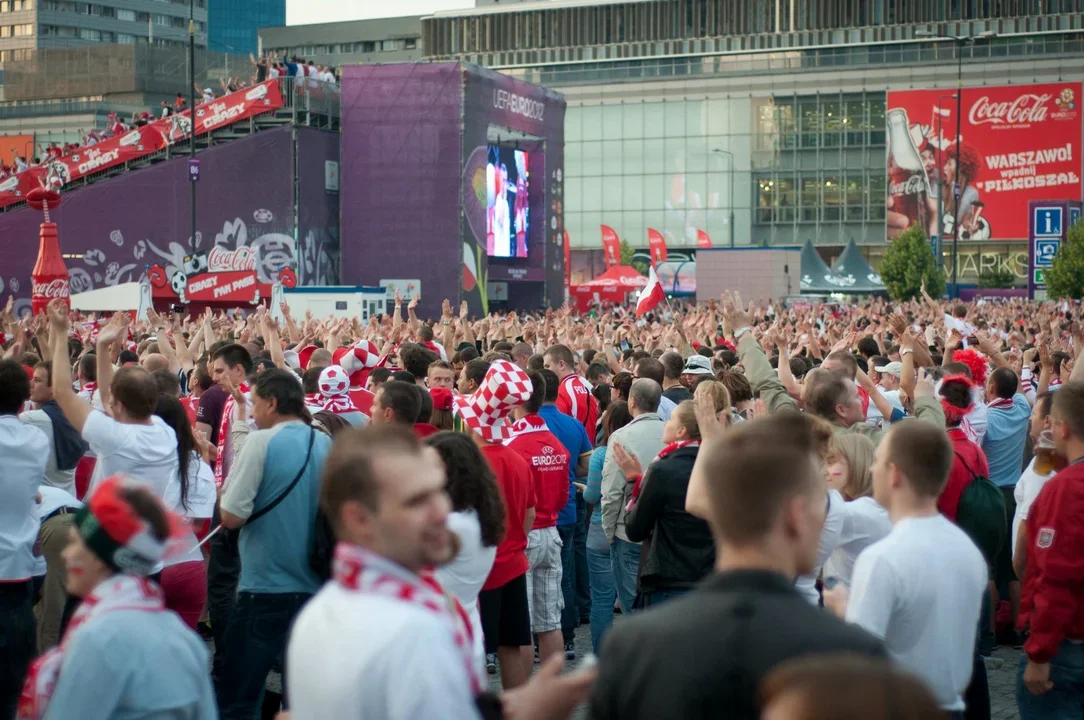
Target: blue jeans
1065, 701
570, 616
658, 597
625, 562
579, 543
602, 585
254, 640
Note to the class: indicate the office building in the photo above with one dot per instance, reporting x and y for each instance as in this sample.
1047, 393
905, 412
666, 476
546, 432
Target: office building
757, 120
234, 24
336, 44
29, 25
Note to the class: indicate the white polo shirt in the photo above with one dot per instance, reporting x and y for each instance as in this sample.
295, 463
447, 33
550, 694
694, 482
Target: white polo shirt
24, 451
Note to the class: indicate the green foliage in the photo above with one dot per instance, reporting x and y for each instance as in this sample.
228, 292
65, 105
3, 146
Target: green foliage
997, 279
626, 253
1065, 278
908, 261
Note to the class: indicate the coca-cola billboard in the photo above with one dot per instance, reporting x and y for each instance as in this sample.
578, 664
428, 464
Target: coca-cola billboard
1017, 143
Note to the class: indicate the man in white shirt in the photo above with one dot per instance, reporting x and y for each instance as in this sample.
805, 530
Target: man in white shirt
921, 587
66, 447
131, 440
889, 386
381, 639
23, 449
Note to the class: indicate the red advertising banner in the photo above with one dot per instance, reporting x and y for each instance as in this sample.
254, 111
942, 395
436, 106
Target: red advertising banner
703, 240
1017, 143
142, 141
217, 276
656, 245
611, 246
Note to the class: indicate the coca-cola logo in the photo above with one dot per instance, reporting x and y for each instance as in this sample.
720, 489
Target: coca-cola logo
913, 185
53, 290
1027, 108
222, 260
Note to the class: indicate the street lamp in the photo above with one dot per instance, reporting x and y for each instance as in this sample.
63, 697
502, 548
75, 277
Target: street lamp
192, 109
730, 219
959, 41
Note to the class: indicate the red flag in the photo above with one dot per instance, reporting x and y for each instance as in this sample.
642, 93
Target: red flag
651, 295
703, 240
611, 246
656, 244
568, 261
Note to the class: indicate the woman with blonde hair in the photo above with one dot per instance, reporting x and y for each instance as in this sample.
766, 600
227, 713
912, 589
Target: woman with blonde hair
849, 470
720, 399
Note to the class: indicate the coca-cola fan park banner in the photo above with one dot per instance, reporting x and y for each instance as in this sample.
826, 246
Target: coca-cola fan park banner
1017, 143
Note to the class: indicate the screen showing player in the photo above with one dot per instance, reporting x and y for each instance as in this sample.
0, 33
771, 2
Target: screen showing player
507, 206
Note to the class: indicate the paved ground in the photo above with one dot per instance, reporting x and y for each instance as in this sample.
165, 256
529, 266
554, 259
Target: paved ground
1000, 671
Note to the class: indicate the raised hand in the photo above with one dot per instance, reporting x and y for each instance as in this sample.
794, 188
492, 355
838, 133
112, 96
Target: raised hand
58, 317
924, 387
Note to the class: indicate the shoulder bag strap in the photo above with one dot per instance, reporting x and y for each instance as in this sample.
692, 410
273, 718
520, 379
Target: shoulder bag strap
274, 503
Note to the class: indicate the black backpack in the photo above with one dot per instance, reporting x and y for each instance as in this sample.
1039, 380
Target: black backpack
982, 514
322, 551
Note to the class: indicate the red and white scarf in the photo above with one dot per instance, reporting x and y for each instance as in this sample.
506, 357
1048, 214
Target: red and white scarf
527, 424
338, 404
223, 433
120, 592
314, 401
87, 391
1000, 404
357, 569
672, 447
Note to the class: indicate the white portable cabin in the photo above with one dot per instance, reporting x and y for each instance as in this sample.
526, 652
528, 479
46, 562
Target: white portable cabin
341, 301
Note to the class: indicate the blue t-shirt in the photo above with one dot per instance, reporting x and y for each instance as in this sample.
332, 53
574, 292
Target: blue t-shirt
275, 547
572, 435
1003, 443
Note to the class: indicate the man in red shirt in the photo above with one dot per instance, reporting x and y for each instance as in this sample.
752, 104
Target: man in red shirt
574, 396
486, 415
548, 460
969, 461
1052, 599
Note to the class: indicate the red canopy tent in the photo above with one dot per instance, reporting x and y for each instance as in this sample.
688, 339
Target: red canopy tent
614, 285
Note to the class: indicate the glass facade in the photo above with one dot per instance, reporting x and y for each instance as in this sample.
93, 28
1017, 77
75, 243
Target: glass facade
755, 170
233, 25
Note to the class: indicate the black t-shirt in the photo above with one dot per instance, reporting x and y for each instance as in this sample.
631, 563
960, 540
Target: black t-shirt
261, 72
677, 394
211, 405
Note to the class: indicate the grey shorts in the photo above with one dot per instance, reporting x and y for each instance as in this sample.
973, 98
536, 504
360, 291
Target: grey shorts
544, 597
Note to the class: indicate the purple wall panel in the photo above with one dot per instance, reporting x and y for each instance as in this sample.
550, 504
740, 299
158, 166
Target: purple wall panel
120, 226
400, 169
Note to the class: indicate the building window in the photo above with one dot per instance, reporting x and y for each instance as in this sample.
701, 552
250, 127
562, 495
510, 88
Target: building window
410, 44
389, 46
126, 15
126, 39
89, 34
368, 46
5, 6
5, 31
162, 20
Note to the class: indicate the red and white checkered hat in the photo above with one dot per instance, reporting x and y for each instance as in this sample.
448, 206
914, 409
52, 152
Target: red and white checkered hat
487, 410
356, 360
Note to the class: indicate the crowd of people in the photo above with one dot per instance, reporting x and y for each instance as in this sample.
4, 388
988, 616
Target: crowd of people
787, 512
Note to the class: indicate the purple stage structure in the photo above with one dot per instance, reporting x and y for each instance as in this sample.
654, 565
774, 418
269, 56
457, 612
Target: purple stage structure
413, 181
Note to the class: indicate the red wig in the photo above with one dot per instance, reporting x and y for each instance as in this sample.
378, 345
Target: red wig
954, 414
976, 363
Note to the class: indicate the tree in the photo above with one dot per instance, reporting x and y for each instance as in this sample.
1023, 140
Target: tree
626, 253
998, 278
907, 263
1065, 277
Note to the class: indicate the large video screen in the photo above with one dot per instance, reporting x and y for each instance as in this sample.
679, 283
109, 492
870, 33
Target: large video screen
507, 206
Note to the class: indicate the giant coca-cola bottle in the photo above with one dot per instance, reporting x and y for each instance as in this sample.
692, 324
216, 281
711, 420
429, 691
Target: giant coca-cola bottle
908, 185
50, 275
